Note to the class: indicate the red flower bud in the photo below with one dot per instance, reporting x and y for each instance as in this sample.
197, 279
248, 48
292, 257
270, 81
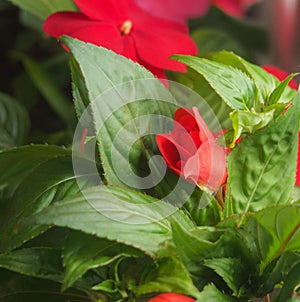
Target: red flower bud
171, 297
191, 151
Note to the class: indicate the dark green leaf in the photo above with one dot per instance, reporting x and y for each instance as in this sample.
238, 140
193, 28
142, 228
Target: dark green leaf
169, 275
234, 87
36, 262
14, 122
83, 252
276, 230
211, 293
262, 167
43, 8
116, 214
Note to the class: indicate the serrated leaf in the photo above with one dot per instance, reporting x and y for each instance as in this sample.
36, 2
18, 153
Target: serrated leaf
279, 90
259, 161
35, 262
50, 180
43, 8
124, 98
234, 87
232, 272
211, 293
83, 252
117, 214
276, 230
265, 82
169, 275
14, 122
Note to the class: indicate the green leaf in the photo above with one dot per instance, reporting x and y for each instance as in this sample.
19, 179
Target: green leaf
17, 288
262, 167
126, 101
43, 8
234, 87
169, 275
211, 293
16, 164
231, 270
49, 90
195, 247
279, 91
117, 214
277, 271
35, 262
276, 230
265, 82
290, 286
209, 39
248, 122
14, 122
83, 252
50, 180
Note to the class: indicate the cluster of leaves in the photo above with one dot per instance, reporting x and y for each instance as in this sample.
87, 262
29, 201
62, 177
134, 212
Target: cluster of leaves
57, 245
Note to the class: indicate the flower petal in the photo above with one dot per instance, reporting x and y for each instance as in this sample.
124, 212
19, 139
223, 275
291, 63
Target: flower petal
231, 7
105, 10
177, 11
207, 167
156, 45
78, 26
171, 297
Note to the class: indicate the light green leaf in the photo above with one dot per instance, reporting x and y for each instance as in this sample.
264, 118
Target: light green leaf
277, 93
35, 262
234, 87
83, 252
169, 275
43, 8
265, 82
14, 122
276, 230
248, 122
117, 214
262, 167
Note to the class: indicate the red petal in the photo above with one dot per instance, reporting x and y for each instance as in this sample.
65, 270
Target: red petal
171, 297
78, 26
177, 11
105, 10
156, 45
207, 167
158, 72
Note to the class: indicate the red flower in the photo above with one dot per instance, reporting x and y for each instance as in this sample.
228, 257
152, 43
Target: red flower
281, 76
128, 30
191, 151
178, 11
171, 297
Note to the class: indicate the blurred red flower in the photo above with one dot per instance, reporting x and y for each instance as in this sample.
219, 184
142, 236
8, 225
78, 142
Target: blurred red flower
178, 11
191, 151
125, 28
171, 297
281, 76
